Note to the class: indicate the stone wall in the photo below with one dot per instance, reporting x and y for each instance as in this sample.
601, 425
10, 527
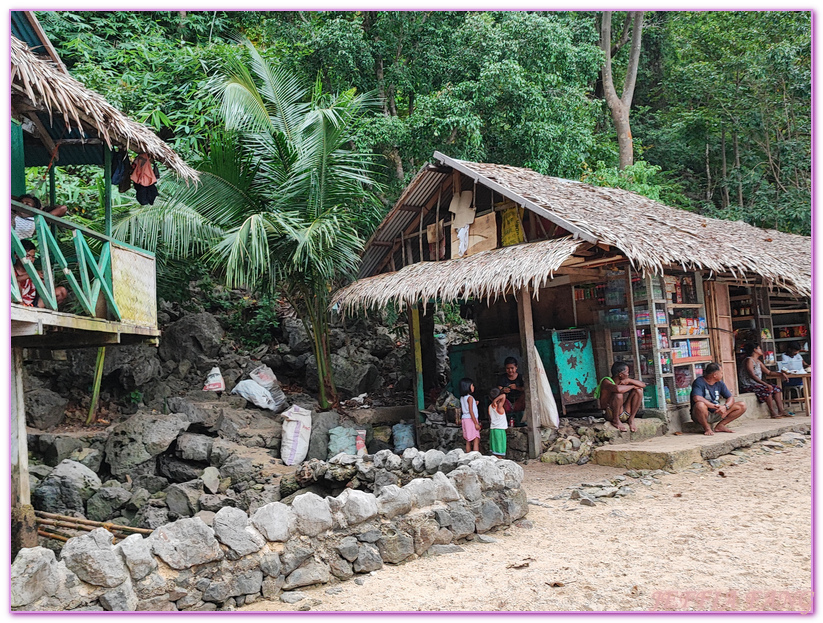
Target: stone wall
187, 565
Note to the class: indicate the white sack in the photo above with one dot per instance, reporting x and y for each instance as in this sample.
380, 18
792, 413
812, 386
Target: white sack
296, 435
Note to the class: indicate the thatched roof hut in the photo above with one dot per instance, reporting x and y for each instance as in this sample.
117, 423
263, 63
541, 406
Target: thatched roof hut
60, 106
651, 235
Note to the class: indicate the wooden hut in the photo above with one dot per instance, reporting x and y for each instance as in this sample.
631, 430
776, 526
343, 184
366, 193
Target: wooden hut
580, 268
57, 121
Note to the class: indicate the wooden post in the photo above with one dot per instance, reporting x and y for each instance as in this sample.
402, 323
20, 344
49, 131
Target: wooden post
527, 352
98, 377
417, 356
107, 187
23, 524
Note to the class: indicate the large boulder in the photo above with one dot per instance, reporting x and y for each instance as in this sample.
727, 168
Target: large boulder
275, 521
351, 377
102, 504
141, 438
131, 366
321, 424
312, 514
66, 489
93, 559
45, 409
194, 338
33, 575
299, 341
185, 543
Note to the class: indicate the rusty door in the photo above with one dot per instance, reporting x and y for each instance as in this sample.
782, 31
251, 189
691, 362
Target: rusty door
574, 360
719, 321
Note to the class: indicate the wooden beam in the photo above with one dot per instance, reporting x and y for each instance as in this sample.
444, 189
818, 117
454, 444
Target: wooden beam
23, 523
527, 353
417, 358
80, 339
42, 132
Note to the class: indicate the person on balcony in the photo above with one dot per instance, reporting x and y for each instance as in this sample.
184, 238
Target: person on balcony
28, 293
23, 224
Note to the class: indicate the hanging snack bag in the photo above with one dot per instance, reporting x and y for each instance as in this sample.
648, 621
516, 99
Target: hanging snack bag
214, 381
360, 442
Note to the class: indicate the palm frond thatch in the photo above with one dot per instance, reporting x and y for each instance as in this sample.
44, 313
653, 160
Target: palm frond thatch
59, 94
486, 275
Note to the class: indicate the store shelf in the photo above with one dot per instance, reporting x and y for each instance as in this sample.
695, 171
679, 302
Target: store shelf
785, 326
687, 360
734, 318
742, 297
788, 339
685, 305
790, 311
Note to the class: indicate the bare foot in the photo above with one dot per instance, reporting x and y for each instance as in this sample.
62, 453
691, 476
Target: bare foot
785, 414
632, 426
722, 429
708, 432
620, 426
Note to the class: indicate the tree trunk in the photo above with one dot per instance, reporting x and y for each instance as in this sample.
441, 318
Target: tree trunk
725, 170
621, 105
381, 85
737, 166
708, 173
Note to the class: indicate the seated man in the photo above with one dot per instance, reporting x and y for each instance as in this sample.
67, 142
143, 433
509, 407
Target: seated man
23, 224
792, 362
707, 390
511, 385
620, 397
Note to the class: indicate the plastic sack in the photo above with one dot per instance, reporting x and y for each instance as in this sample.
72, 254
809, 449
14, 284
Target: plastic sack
214, 381
546, 407
263, 376
342, 439
296, 434
403, 436
360, 442
252, 392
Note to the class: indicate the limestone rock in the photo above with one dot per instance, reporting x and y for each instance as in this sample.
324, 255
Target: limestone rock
105, 501
275, 521
141, 438
151, 517
45, 409
423, 491
462, 520
194, 338
66, 489
120, 599
466, 482
89, 457
312, 572
512, 473
312, 514
349, 548
340, 567
358, 506
246, 583
295, 554
434, 458
487, 471
487, 515
34, 574
270, 564
185, 543
211, 479
183, 499
136, 553
408, 458
368, 559
445, 491
193, 447
233, 528
395, 546
94, 560
393, 501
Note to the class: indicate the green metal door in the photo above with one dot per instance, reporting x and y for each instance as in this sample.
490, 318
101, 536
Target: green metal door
18, 166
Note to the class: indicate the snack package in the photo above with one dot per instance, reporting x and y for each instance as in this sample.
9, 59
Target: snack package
214, 381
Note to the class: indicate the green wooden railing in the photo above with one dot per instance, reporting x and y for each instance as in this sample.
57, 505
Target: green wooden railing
86, 274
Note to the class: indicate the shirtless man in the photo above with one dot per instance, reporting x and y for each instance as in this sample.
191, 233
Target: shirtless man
707, 390
621, 397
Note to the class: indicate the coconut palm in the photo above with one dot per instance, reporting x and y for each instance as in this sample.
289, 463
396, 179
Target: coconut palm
283, 199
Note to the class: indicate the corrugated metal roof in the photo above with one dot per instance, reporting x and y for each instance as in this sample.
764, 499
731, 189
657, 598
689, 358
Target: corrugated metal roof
23, 30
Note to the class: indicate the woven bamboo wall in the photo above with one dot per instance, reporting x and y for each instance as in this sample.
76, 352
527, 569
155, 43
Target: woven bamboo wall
134, 285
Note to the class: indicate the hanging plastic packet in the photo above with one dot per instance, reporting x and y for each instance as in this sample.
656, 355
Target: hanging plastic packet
214, 381
360, 442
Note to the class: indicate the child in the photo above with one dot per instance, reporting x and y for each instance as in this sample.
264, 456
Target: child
497, 428
468, 418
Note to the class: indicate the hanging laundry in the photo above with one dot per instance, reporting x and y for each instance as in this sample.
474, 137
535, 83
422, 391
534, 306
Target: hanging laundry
120, 166
463, 239
462, 208
145, 181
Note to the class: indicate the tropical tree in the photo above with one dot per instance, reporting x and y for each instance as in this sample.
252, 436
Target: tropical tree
284, 197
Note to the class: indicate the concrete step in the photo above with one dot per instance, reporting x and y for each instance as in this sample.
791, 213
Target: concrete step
677, 452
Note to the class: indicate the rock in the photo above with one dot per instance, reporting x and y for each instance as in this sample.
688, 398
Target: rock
312, 572
438, 550
185, 543
292, 597
487, 516
462, 520
105, 501
150, 483
340, 568
513, 503
468, 457
89, 457
214, 503
312, 514
275, 521
334, 590
194, 338
178, 470
368, 559
151, 517
444, 536
483, 538
193, 447
45, 409
66, 489
233, 528
141, 438
94, 560
370, 536
418, 463
393, 501
384, 478
512, 473
295, 554
423, 492
57, 448
272, 586
445, 491
349, 548
41, 471
136, 553
270, 564
246, 583
433, 460
467, 483
408, 457
351, 377
207, 517
487, 471
183, 499
217, 592
425, 531
160, 603
587, 502
34, 574
120, 599
395, 546
360, 581
321, 424
450, 460
138, 499
358, 506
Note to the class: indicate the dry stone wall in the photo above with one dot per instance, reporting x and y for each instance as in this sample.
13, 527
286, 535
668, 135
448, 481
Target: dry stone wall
188, 565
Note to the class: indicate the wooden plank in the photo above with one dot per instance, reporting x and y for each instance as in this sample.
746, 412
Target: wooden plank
20, 492
527, 352
417, 379
49, 318
482, 235
721, 331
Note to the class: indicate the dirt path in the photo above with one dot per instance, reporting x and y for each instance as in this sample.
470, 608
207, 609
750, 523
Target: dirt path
693, 541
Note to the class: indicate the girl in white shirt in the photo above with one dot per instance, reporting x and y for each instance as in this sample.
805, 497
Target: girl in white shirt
497, 428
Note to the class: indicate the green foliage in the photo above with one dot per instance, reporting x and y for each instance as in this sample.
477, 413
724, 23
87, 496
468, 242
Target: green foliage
135, 397
641, 178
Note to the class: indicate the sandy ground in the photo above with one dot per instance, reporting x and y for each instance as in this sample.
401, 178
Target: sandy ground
694, 541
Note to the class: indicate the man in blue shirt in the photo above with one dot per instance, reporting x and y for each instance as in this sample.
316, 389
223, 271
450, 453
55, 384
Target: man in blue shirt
707, 408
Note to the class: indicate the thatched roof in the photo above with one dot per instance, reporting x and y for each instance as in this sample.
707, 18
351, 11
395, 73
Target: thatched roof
48, 88
485, 275
653, 235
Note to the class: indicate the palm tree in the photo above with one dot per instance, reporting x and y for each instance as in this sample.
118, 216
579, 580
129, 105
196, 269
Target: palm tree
283, 199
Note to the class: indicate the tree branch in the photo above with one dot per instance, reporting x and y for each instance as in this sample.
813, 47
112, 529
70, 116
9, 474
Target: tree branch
634, 60
624, 36
605, 45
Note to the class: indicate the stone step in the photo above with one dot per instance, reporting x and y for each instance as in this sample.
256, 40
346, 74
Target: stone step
677, 452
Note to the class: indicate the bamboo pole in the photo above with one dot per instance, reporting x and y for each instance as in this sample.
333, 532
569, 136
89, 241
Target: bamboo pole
51, 535
89, 522
98, 378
